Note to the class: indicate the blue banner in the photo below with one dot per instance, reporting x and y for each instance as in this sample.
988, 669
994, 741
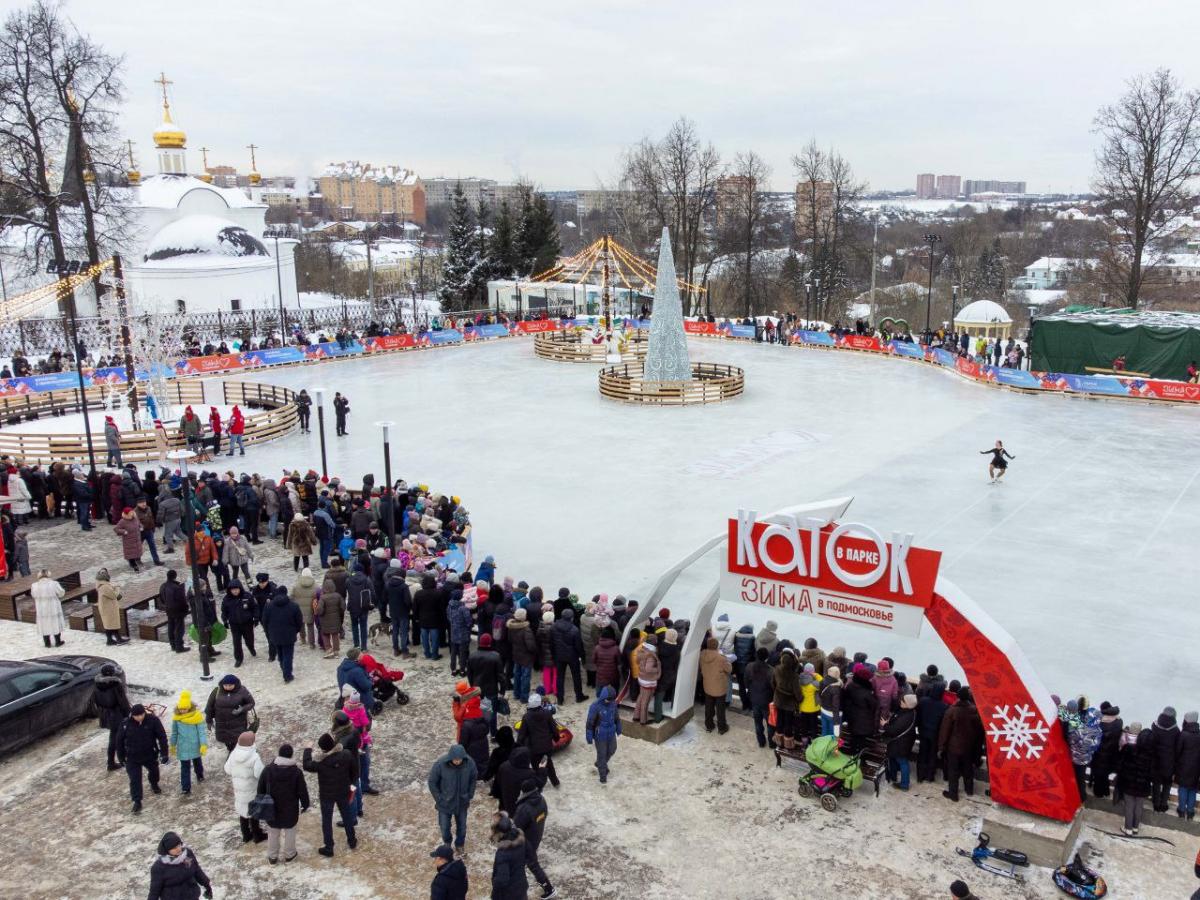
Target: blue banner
1013, 377
34, 384
438, 338
116, 374
637, 323
1089, 384
332, 348
273, 356
737, 331
945, 358
904, 348
822, 338
488, 331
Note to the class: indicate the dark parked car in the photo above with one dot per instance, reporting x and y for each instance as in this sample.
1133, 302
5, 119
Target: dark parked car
40, 696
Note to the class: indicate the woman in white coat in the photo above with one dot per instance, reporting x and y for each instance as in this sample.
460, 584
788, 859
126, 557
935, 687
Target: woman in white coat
243, 767
47, 603
18, 497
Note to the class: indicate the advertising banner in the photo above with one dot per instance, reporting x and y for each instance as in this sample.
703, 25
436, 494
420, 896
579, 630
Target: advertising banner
841, 571
1084, 384
1163, 390
819, 338
1012, 377
537, 326
116, 375
904, 348
943, 357
440, 338
737, 331
476, 332
36, 384
637, 323
390, 342
332, 349
699, 327
272, 356
860, 342
199, 365
967, 367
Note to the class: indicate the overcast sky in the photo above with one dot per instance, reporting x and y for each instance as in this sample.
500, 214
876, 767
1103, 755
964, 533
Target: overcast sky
554, 91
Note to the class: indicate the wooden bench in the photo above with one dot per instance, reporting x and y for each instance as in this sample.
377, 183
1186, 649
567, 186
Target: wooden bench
138, 597
19, 588
152, 627
79, 618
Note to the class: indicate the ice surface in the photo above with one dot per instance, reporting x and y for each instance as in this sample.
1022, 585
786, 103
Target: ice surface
72, 423
1086, 552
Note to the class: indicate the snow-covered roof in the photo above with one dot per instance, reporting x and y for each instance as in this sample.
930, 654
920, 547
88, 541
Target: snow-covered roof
353, 169
1040, 296
193, 238
982, 312
1051, 263
383, 251
1128, 318
167, 191
1180, 261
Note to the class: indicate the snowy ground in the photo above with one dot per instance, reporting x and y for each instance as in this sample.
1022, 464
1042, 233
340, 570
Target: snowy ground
1086, 545
703, 816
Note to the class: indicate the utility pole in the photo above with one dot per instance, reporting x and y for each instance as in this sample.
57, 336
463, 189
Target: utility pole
932, 240
131, 395
874, 249
370, 273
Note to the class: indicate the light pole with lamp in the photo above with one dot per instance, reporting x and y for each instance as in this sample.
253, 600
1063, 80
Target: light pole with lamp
203, 631
387, 476
319, 393
931, 240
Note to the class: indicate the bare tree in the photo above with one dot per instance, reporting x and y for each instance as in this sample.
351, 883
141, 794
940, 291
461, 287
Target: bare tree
674, 180
741, 223
1149, 154
826, 194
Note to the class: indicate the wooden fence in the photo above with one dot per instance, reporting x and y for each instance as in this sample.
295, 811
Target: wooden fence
711, 383
272, 414
567, 347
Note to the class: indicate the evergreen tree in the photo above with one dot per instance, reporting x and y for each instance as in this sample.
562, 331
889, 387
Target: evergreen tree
460, 259
537, 242
502, 250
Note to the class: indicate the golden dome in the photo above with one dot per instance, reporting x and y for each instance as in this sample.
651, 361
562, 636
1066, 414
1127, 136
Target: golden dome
254, 178
169, 136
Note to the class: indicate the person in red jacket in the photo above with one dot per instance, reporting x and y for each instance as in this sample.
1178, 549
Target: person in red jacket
214, 422
237, 427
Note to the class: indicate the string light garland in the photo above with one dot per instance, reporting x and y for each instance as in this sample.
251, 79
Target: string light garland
627, 266
26, 304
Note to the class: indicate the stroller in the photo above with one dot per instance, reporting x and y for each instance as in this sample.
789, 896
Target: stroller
383, 682
832, 774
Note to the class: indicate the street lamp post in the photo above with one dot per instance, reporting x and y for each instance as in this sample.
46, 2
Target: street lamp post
931, 240
319, 393
387, 475
807, 304
953, 303
203, 626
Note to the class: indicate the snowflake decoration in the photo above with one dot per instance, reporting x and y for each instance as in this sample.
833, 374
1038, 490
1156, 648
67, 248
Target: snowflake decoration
1020, 730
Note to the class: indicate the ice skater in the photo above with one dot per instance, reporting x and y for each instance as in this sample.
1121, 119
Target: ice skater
998, 466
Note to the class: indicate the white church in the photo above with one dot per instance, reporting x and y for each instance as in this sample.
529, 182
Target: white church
194, 247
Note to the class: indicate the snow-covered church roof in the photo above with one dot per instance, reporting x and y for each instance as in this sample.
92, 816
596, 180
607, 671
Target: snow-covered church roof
202, 240
168, 192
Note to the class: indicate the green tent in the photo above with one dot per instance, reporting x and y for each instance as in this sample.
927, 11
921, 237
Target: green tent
1161, 344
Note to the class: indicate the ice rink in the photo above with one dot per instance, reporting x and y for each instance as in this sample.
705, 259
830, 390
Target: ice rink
1087, 552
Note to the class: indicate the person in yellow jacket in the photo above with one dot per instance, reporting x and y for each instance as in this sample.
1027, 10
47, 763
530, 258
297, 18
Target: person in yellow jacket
189, 740
810, 706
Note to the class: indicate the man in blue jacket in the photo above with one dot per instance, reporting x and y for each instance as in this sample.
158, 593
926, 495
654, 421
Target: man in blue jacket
603, 726
352, 672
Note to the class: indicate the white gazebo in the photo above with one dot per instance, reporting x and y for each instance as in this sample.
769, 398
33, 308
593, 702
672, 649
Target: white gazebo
984, 317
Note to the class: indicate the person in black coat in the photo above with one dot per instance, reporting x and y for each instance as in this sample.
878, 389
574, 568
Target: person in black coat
1165, 743
485, 668
668, 661
82, 494
141, 744
428, 605
762, 690
173, 598
336, 769
568, 651
399, 607
537, 732
530, 817
473, 735
112, 703
1104, 760
860, 709
450, 882
284, 781
931, 709
176, 873
1135, 766
506, 740
341, 407
900, 733
283, 622
508, 867
239, 612
512, 775
1187, 767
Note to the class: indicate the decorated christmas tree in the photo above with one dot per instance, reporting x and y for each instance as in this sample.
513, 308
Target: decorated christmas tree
667, 357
